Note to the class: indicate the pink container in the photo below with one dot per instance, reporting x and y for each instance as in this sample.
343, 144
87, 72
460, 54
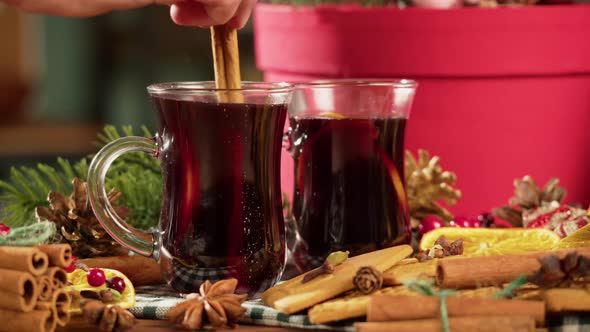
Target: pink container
503, 92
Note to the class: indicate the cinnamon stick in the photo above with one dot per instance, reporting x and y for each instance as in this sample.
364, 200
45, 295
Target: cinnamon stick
61, 301
140, 270
293, 295
26, 259
34, 321
400, 307
355, 305
492, 270
18, 290
57, 276
45, 288
456, 324
560, 300
401, 273
58, 254
226, 61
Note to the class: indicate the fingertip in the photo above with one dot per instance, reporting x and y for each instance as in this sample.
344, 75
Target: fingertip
190, 13
236, 23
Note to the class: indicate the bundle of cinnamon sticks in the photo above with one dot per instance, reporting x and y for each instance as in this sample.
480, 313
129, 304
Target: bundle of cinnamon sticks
32, 282
390, 311
475, 283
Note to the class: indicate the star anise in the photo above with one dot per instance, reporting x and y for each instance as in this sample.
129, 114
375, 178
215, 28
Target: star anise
215, 304
108, 318
572, 271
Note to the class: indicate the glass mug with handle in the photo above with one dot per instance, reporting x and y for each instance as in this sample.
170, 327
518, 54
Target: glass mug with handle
221, 213
347, 141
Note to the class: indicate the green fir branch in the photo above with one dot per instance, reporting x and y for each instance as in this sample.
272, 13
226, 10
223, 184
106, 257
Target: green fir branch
137, 175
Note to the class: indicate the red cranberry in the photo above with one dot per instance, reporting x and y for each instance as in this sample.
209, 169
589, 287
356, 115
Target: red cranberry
95, 277
117, 284
72, 266
4, 230
486, 219
428, 224
464, 222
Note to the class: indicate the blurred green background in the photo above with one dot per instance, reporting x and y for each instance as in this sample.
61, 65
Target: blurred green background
63, 79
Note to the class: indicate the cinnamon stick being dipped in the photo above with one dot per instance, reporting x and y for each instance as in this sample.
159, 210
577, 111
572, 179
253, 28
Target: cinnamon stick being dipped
34, 321
474, 272
226, 61
58, 254
18, 290
400, 307
26, 259
456, 324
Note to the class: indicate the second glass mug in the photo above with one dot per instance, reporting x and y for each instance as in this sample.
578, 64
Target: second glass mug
347, 141
222, 210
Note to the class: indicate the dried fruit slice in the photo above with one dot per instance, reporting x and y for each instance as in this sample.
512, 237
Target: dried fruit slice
493, 241
580, 238
331, 115
79, 284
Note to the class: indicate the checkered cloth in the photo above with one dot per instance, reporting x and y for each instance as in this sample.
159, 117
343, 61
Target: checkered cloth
152, 302
190, 278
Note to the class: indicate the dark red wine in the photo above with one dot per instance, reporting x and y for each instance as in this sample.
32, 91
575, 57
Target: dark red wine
222, 214
349, 186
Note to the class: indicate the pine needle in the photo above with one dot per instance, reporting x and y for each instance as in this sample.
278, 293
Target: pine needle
137, 175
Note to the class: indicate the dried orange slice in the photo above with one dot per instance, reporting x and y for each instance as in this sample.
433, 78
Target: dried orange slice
494, 241
331, 115
78, 284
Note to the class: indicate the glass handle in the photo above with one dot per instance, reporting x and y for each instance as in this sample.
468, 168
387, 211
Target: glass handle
141, 242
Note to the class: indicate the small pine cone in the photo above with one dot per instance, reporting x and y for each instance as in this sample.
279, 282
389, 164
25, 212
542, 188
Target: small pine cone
428, 184
77, 224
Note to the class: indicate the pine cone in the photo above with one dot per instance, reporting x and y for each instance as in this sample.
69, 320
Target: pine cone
528, 196
77, 223
108, 318
215, 303
427, 184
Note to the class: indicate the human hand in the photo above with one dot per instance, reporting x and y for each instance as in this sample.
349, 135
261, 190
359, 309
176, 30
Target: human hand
201, 13
206, 13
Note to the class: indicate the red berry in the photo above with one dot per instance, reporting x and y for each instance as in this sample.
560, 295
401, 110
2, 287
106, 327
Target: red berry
486, 219
461, 221
4, 230
117, 284
95, 277
428, 224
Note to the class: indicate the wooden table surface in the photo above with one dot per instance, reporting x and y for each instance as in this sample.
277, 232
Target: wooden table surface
79, 325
